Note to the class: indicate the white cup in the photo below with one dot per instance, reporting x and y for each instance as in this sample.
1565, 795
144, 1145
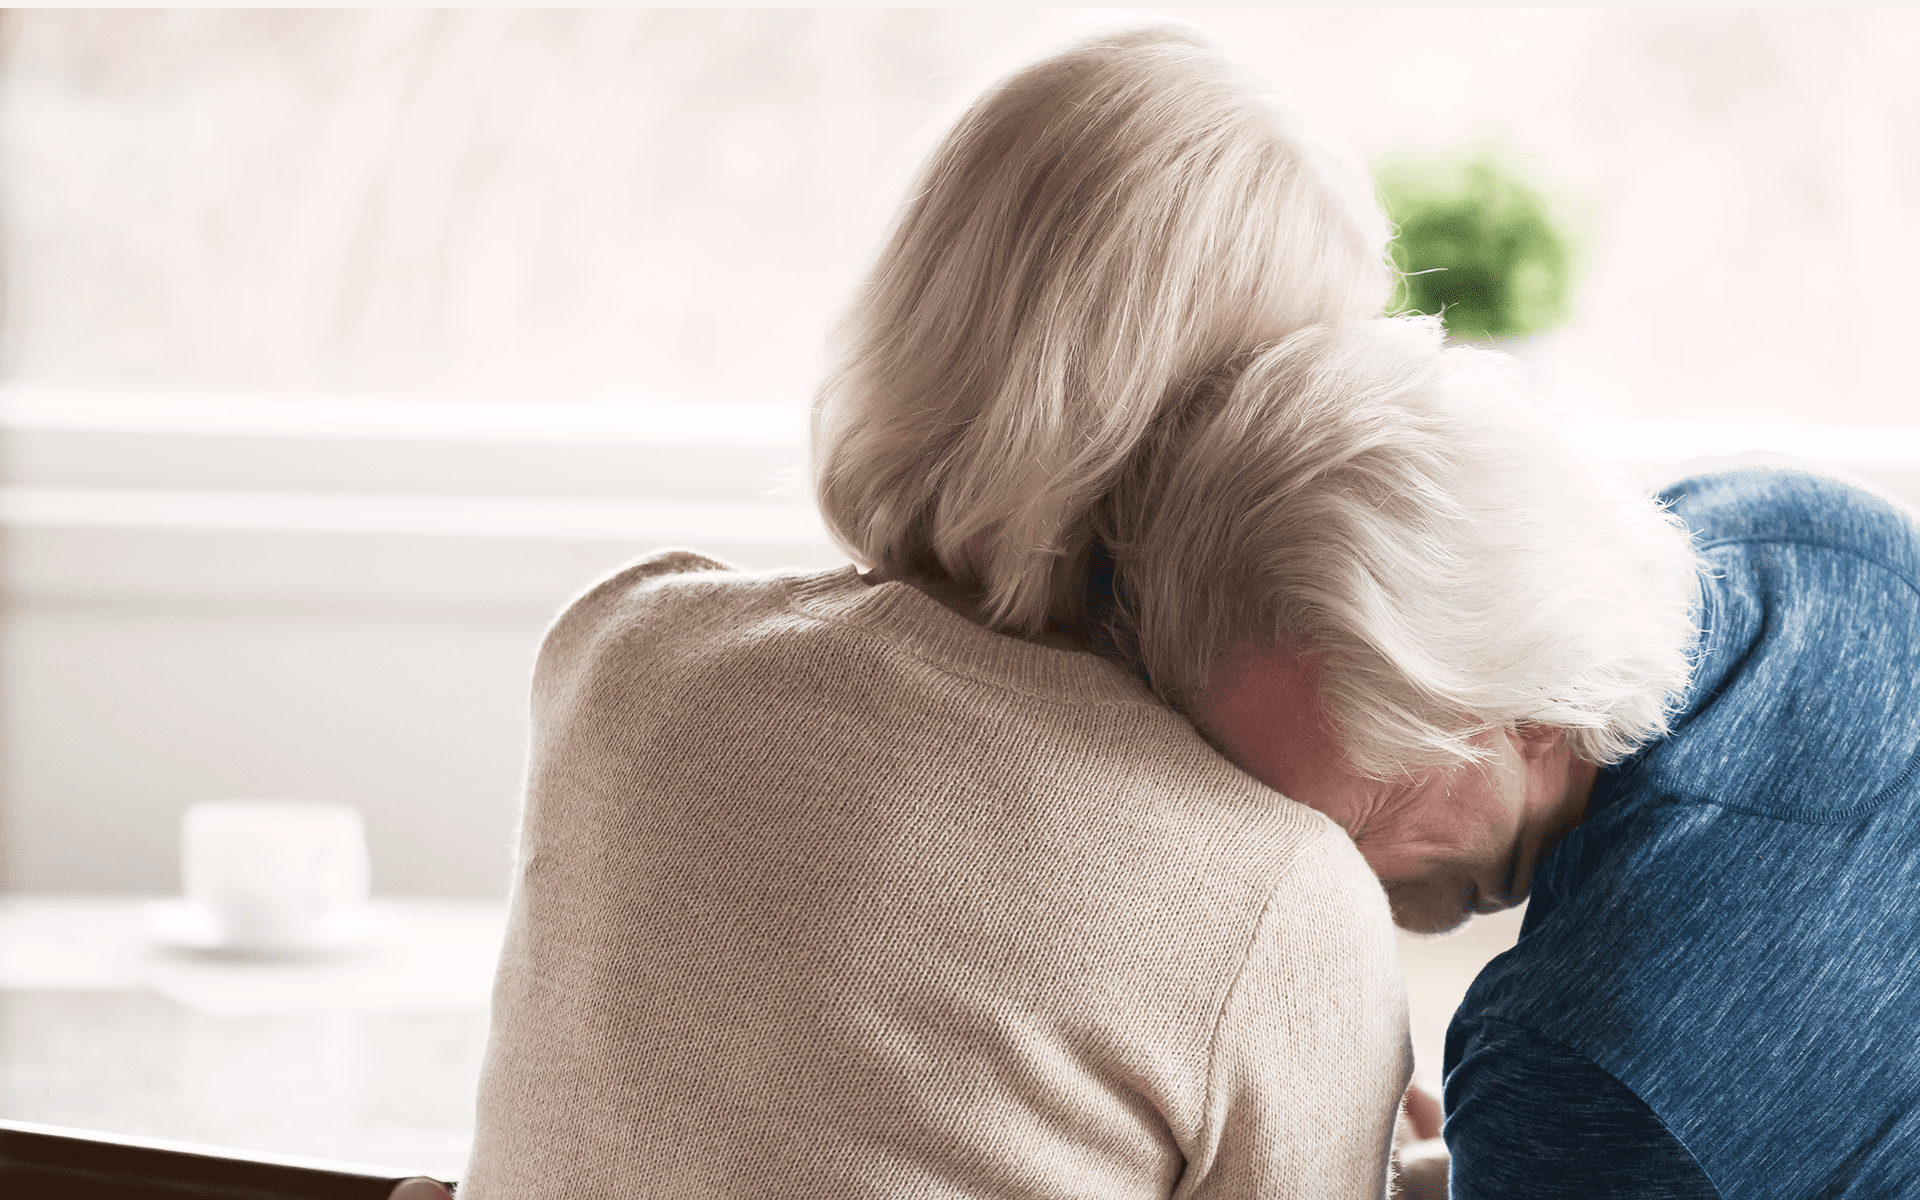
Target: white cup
275, 875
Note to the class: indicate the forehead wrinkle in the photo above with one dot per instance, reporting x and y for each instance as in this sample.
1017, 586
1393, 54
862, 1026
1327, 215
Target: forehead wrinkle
1368, 804
1433, 837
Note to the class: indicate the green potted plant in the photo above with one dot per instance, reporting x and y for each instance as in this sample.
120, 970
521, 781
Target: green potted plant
1478, 245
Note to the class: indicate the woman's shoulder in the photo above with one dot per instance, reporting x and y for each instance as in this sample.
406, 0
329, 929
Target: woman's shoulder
1329, 885
645, 609
652, 573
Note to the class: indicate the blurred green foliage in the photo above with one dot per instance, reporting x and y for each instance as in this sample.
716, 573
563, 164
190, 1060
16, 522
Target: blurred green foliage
1478, 244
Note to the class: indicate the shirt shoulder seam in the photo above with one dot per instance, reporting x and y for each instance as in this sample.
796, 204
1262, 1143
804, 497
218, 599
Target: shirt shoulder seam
1896, 570
1588, 1059
1284, 873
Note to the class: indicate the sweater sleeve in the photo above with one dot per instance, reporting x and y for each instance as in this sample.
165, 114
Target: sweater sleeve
1311, 1052
1527, 1116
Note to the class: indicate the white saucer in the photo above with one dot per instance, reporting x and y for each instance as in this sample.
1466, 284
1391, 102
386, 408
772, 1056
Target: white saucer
188, 925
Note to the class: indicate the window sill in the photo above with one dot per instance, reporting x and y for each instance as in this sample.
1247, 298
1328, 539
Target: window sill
490, 505
473, 506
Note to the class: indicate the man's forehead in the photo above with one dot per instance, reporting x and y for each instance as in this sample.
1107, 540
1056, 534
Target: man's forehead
1263, 710
1280, 674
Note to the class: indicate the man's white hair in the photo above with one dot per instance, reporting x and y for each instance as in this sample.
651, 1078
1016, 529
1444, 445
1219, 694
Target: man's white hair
1098, 230
1404, 510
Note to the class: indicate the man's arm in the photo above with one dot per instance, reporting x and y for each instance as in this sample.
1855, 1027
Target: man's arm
1527, 1116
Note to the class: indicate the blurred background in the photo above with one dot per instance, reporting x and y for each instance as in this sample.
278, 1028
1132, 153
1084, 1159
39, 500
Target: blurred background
669, 203
339, 347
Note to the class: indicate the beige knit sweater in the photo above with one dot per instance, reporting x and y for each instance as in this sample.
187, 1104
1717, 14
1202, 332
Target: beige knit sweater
825, 892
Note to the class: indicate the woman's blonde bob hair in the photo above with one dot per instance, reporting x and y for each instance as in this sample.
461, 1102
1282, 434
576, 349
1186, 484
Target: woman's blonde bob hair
1099, 229
1360, 493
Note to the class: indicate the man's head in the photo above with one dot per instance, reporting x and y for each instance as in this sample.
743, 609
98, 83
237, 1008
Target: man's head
1446, 841
1379, 583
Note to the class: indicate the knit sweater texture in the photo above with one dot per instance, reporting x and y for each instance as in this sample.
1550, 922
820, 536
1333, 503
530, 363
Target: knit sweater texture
824, 891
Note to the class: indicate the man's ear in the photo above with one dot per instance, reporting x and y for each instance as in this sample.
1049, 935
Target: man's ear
1537, 741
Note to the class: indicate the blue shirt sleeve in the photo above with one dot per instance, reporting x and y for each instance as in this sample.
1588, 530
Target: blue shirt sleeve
1527, 1116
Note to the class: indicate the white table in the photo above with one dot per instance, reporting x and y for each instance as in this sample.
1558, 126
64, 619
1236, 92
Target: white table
369, 1055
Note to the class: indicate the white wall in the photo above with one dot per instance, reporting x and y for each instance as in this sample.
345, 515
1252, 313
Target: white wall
119, 716
331, 599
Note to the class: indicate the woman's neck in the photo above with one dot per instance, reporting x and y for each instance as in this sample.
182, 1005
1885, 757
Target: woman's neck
968, 603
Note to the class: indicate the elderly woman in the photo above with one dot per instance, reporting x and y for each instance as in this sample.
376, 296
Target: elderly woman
843, 884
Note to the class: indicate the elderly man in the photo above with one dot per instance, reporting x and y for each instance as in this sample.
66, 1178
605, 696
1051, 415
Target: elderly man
1717, 988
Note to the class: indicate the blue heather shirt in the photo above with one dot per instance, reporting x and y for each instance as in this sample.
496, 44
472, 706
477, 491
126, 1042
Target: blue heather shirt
1716, 991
